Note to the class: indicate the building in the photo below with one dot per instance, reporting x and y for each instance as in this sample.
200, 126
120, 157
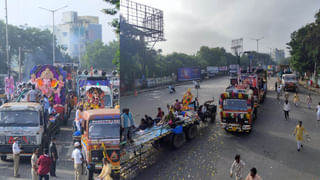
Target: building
277, 54
76, 32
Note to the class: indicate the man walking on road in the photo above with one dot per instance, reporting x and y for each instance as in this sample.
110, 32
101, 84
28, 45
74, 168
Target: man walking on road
44, 164
298, 132
34, 165
16, 150
54, 156
286, 109
237, 168
253, 175
77, 158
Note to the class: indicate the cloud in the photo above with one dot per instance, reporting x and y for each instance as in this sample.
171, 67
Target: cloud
189, 24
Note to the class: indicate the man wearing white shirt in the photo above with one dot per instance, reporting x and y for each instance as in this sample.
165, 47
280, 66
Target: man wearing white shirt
77, 157
16, 150
237, 168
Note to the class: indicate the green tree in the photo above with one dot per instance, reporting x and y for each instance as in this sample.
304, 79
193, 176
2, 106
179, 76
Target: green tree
304, 46
100, 56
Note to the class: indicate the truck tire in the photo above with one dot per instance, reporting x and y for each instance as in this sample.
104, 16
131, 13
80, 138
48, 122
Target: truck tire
178, 140
213, 117
255, 114
3, 157
192, 132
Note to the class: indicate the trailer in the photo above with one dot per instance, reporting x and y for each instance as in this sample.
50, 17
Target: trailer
145, 141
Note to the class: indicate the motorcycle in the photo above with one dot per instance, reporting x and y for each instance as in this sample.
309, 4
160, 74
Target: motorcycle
171, 89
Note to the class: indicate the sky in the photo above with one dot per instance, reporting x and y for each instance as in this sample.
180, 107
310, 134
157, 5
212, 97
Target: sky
189, 24
22, 12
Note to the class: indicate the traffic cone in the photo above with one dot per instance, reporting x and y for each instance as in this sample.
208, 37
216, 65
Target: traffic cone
135, 93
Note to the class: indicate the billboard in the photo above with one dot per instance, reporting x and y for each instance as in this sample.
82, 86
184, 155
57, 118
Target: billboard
185, 74
233, 68
223, 68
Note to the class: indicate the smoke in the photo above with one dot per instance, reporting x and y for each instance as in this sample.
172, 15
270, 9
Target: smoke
33, 59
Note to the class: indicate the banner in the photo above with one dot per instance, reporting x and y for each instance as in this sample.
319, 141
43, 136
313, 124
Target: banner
185, 74
9, 85
223, 68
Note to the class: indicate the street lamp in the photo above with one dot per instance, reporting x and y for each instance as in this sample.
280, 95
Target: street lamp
257, 39
53, 41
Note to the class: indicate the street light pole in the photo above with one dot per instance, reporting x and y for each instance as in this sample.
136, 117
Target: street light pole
257, 39
7, 41
53, 31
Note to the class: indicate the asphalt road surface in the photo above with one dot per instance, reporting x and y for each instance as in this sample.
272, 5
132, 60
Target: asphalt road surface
271, 146
65, 168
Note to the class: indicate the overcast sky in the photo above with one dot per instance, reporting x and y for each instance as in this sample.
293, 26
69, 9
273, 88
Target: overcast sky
22, 12
189, 24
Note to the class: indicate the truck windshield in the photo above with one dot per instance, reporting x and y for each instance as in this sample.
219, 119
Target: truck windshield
289, 78
235, 105
19, 118
104, 129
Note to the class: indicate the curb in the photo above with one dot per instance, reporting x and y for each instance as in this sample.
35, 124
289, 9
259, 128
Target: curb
131, 93
305, 85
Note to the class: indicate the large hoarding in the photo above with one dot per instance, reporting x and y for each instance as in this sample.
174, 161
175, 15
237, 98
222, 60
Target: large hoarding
185, 74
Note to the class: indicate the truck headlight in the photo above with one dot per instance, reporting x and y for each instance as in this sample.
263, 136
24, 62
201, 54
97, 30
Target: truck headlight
32, 139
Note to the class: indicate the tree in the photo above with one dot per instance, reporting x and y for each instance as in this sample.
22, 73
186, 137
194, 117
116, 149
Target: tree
113, 11
100, 56
304, 46
36, 41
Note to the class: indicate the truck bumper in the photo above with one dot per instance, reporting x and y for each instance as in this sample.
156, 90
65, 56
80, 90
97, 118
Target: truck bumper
7, 149
236, 127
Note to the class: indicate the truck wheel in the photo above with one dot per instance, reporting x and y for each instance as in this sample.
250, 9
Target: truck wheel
178, 140
255, 114
213, 117
4, 157
192, 132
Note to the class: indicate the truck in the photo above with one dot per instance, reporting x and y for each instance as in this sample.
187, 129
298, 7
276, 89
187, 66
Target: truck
89, 86
212, 71
289, 82
237, 110
24, 120
101, 139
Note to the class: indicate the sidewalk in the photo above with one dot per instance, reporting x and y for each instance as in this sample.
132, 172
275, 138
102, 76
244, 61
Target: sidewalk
131, 93
305, 85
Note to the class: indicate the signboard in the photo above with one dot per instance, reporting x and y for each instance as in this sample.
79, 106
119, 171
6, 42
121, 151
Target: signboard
233, 68
9, 85
185, 74
223, 68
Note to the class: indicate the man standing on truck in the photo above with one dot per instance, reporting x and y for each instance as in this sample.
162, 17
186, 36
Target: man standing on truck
16, 150
33, 95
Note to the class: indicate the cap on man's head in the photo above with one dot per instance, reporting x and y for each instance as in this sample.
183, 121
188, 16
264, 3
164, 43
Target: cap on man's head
76, 144
15, 138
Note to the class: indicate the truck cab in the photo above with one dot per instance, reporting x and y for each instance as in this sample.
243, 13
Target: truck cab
289, 82
237, 110
101, 138
25, 121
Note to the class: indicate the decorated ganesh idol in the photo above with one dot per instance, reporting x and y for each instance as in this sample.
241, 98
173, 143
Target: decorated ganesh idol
186, 100
50, 81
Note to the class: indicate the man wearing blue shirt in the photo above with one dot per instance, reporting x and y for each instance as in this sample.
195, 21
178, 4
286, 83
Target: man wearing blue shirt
126, 118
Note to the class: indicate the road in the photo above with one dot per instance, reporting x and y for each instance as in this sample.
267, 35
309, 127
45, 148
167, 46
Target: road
271, 147
65, 169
